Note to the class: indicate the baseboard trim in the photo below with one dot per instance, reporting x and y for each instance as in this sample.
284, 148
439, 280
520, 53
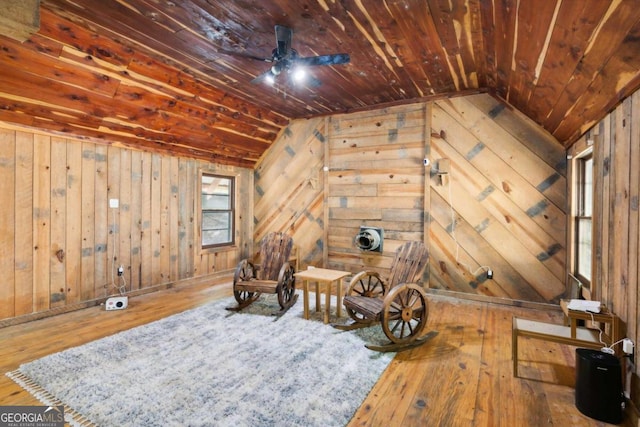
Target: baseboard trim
214, 278
494, 300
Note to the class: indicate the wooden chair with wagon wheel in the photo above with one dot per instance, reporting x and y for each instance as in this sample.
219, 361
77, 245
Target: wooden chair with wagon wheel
273, 275
398, 303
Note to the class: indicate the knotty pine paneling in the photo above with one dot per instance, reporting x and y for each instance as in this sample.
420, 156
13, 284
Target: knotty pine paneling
289, 189
616, 217
60, 241
24, 199
376, 178
504, 204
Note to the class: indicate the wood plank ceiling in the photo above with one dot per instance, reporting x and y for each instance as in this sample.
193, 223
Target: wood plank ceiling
175, 76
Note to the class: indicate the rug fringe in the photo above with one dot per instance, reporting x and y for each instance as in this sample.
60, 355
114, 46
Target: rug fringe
71, 416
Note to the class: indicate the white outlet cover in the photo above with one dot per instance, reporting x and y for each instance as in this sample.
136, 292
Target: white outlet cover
114, 203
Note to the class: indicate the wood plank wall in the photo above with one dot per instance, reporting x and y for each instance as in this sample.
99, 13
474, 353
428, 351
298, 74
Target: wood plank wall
59, 238
289, 189
376, 178
507, 188
616, 269
503, 206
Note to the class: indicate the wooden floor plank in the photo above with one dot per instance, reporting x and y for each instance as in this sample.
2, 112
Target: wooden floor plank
490, 380
462, 377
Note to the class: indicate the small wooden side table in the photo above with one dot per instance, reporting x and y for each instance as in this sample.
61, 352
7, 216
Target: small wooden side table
611, 334
327, 277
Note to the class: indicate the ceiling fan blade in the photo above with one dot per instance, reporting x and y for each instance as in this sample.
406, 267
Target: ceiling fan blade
244, 55
313, 82
283, 40
261, 77
336, 59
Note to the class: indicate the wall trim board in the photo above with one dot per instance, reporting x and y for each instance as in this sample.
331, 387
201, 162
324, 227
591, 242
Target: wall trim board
493, 300
216, 279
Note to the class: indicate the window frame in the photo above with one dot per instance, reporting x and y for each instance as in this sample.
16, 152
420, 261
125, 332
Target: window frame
583, 213
231, 211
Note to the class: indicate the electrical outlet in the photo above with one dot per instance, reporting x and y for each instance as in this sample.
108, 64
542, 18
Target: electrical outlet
627, 346
120, 271
114, 203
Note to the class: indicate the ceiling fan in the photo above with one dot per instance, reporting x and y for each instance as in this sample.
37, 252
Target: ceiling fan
285, 59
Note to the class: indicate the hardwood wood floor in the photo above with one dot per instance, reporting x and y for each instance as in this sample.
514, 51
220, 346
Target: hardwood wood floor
463, 377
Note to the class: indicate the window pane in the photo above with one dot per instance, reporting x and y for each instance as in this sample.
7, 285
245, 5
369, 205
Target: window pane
588, 187
215, 237
217, 208
216, 201
216, 228
216, 185
216, 220
583, 213
584, 248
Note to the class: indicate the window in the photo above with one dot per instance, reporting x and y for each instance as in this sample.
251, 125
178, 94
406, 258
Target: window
583, 217
218, 210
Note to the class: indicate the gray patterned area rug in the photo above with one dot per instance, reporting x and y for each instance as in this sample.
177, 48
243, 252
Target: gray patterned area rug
212, 367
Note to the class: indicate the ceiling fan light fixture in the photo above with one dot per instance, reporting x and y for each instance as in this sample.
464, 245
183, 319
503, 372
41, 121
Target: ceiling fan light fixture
276, 69
286, 59
270, 79
299, 74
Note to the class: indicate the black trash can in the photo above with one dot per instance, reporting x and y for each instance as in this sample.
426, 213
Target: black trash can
599, 385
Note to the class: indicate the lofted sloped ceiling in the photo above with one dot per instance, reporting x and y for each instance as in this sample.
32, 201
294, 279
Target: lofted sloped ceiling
175, 76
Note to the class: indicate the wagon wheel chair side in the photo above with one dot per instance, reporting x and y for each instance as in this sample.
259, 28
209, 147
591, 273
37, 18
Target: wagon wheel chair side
400, 305
274, 275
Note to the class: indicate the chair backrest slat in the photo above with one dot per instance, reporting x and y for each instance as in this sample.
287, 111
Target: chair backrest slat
275, 249
410, 260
